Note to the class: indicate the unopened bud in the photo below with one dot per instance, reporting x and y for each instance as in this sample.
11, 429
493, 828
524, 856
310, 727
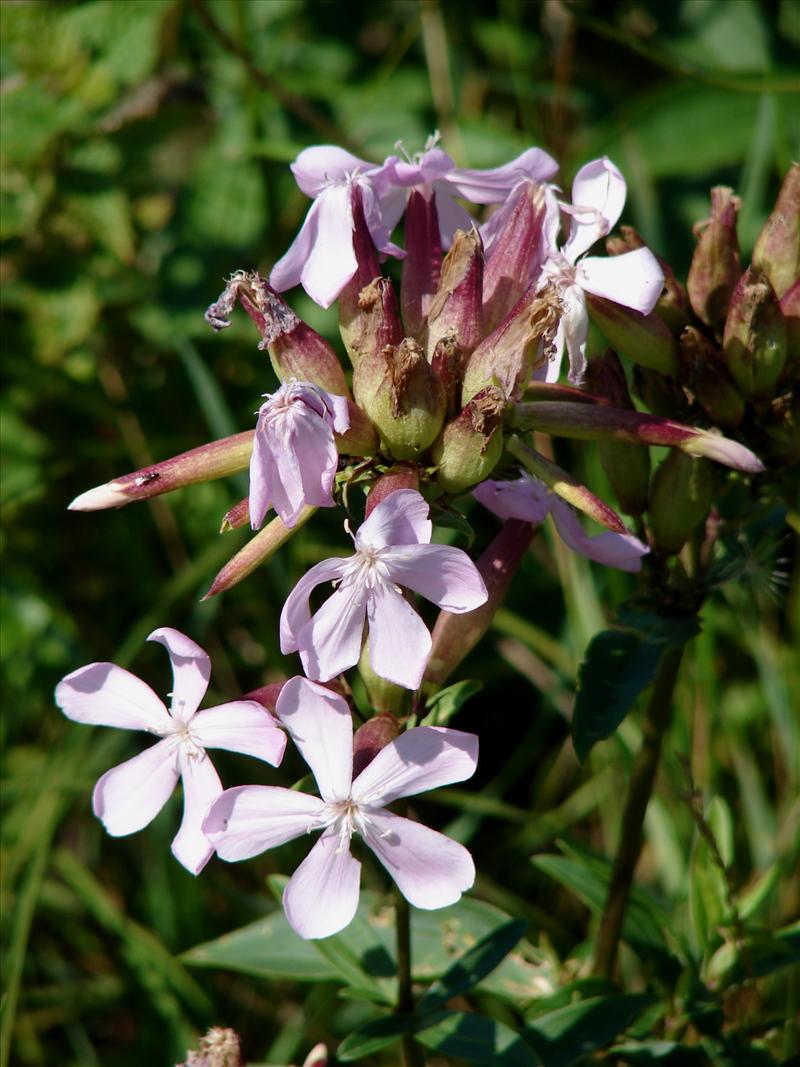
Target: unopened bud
384, 696
755, 337
715, 264
455, 312
295, 350
257, 550
238, 515
680, 497
317, 1057
448, 366
777, 249
403, 397
471, 445
454, 636
367, 269
516, 253
375, 323
401, 476
506, 357
423, 261
214, 460
709, 380
627, 466
673, 304
644, 339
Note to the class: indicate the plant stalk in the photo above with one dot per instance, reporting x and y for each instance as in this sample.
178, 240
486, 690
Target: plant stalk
413, 1055
640, 787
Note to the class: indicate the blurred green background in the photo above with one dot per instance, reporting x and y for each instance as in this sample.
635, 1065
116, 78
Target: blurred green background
145, 146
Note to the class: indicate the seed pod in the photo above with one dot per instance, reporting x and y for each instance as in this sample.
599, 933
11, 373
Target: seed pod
470, 446
644, 339
455, 311
680, 496
777, 249
376, 321
709, 380
755, 337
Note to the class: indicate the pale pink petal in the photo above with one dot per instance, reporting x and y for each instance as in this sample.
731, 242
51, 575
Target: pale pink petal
431, 870
401, 518
103, 694
450, 214
435, 164
320, 724
332, 262
201, 787
241, 726
316, 167
262, 474
339, 412
493, 186
623, 551
250, 819
382, 212
575, 323
296, 613
426, 757
130, 795
331, 641
322, 895
286, 273
634, 279
399, 641
598, 197
444, 575
191, 669
524, 498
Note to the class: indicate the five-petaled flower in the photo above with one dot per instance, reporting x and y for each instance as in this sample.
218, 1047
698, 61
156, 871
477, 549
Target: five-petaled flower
130, 795
294, 454
431, 870
529, 499
392, 550
634, 279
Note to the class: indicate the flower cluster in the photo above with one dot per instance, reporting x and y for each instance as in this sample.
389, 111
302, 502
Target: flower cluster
445, 381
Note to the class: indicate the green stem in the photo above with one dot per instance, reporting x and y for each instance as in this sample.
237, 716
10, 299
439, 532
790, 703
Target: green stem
640, 787
413, 1055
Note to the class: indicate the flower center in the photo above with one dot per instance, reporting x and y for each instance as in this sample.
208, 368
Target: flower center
559, 271
366, 567
346, 817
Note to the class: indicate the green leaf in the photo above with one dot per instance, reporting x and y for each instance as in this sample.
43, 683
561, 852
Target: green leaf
619, 664
362, 959
566, 1035
268, 948
661, 1053
476, 1039
473, 966
372, 1036
443, 705
761, 954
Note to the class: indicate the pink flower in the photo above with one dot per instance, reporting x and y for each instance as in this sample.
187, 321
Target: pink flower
435, 174
527, 498
322, 258
392, 550
633, 279
130, 796
294, 456
430, 870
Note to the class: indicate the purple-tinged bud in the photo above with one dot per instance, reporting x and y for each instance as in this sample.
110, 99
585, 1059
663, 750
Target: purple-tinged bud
680, 497
257, 550
790, 306
644, 339
754, 342
318, 1056
710, 381
777, 249
715, 264
238, 515
448, 366
402, 396
516, 254
564, 485
470, 446
348, 301
455, 312
266, 695
295, 350
377, 321
627, 466
673, 304
595, 422
506, 357
423, 262
454, 636
214, 460
401, 476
